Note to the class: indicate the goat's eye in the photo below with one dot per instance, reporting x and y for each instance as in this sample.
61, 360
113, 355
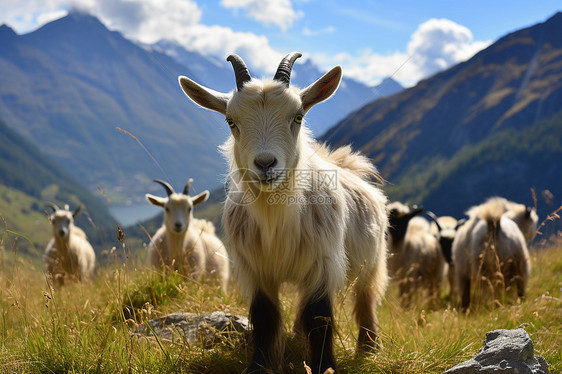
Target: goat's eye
298, 118
230, 123
167, 209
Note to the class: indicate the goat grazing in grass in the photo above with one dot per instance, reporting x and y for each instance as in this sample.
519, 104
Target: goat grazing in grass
445, 228
68, 254
422, 263
313, 216
491, 246
184, 243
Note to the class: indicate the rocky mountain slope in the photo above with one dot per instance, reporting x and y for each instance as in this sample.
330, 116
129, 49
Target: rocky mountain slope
488, 126
71, 85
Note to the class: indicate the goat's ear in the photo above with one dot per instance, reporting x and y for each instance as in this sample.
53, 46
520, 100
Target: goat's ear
322, 89
204, 96
156, 200
76, 211
528, 211
460, 222
200, 198
415, 211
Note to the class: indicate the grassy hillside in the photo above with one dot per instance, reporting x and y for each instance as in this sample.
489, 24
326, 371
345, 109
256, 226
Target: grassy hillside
509, 163
22, 218
28, 179
79, 329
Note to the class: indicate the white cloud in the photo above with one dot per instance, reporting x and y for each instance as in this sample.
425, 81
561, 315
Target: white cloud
23, 15
50, 16
372, 68
151, 20
148, 21
223, 41
324, 31
436, 45
440, 43
276, 12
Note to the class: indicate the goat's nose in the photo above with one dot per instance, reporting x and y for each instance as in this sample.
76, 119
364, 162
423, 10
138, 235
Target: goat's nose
177, 226
61, 232
265, 161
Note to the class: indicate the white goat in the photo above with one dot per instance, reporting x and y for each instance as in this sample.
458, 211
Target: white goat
491, 244
68, 254
422, 265
445, 228
184, 243
313, 217
399, 215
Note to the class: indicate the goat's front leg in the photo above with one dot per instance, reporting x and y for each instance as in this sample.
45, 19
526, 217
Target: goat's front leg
267, 334
464, 293
315, 320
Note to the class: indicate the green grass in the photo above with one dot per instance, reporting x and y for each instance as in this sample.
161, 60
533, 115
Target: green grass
83, 328
25, 216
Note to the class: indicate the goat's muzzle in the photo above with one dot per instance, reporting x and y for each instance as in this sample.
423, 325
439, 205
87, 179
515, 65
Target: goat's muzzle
178, 227
264, 163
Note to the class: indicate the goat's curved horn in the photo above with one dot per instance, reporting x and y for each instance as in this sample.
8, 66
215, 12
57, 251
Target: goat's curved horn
434, 219
187, 186
166, 185
240, 70
53, 206
283, 73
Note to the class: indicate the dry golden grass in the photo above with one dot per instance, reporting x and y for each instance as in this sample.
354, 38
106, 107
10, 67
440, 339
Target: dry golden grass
85, 327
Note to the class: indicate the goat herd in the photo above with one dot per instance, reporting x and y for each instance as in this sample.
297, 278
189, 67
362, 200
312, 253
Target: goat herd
327, 233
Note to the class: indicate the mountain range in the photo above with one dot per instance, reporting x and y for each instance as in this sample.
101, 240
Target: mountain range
350, 95
72, 84
110, 111
489, 126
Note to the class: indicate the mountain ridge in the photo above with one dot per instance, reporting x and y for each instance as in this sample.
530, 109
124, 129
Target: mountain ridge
350, 95
509, 86
67, 106
70, 85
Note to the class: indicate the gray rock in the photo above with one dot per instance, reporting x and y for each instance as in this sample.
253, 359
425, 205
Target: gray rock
206, 328
504, 351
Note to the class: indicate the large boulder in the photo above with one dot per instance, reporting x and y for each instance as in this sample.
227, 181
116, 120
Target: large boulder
204, 328
504, 351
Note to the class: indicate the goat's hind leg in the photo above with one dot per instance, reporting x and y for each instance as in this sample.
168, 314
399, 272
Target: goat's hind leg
366, 318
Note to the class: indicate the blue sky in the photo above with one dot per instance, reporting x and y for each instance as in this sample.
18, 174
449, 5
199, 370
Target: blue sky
408, 39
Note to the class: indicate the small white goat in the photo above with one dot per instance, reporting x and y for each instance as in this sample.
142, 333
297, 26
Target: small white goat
491, 243
184, 243
68, 254
314, 216
445, 228
399, 216
422, 265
